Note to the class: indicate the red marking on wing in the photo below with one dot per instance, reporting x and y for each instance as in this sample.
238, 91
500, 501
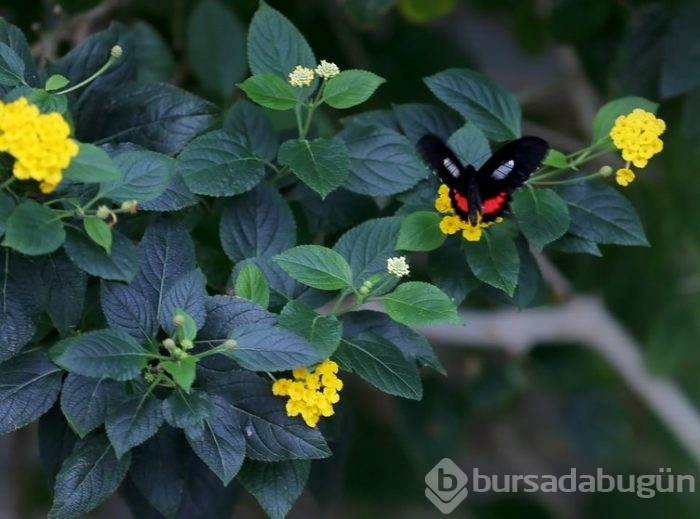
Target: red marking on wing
461, 201
495, 204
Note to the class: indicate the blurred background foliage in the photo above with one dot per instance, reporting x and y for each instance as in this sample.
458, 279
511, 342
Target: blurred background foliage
558, 407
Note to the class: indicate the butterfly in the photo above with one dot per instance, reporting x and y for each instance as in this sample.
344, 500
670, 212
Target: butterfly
483, 194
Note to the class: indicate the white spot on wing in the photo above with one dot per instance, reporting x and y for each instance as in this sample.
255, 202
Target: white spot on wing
503, 170
451, 167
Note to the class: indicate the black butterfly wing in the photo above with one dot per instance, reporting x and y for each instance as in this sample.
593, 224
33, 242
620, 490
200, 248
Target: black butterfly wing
506, 170
442, 161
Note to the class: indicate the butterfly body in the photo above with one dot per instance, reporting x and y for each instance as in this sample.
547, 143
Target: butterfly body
483, 194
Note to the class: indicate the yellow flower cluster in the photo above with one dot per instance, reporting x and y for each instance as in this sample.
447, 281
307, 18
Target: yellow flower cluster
311, 393
452, 223
637, 136
39, 143
303, 76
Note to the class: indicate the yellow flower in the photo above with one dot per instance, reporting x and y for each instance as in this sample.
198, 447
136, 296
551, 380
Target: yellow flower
40, 143
443, 204
327, 70
472, 232
301, 76
311, 393
450, 224
636, 135
397, 266
624, 176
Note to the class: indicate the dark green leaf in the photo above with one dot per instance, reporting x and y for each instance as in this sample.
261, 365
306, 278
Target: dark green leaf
14, 38
322, 164
250, 123
175, 197
316, 266
252, 285
34, 229
601, 214
322, 331
470, 144
146, 175
126, 309
275, 46
11, 67
420, 231
382, 162
188, 411
221, 444
276, 485
120, 265
84, 401
66, 285
270, 434
269, 348
380, 363
246, 231
90, 475
447, 268
217, 60
350, 88
92, 164
157, 116
131, 420
417, 303
480, 100
576, 245
101, 353
217, 164
542, 215
679, 72
494, 259
154, 59
270, 91
187, 295
529, 278
29, 385
417, 119
555, 159
7, 204
226, 313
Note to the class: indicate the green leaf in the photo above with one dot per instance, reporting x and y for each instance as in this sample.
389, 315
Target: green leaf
120, 265
448, 270
92, 164
187, 331
382, 162
101, 353
604, 120
29, 385
146, 175
11, 67
555, 159
601, 214
252, 285
322, 164
66, 285
217, 60
188, 411
494, 259
420, 231
90, 475
416, 303
417, 119
269, 348
316, 266
529, 278
350, 88
99, 232
131, 420
14, 38
34, 229
380, 363
84, 401
470, 144
56, 82
275, 46
276, 485
480, 100
270, 91
221, 444
154, 59
183, 371
186, 297
542, 215
217, 164
322, 331
575, 245
250, 123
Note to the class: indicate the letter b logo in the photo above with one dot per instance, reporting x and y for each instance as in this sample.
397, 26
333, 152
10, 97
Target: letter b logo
447, 485
446, 482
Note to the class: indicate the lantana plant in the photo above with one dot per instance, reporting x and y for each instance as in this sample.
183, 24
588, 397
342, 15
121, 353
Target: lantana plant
155, 358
